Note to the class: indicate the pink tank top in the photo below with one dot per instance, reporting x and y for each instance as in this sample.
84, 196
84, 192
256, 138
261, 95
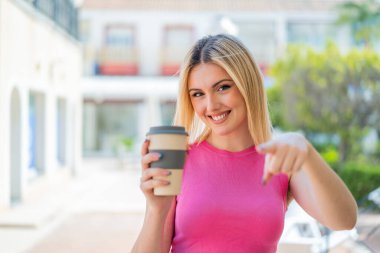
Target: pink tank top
223, 207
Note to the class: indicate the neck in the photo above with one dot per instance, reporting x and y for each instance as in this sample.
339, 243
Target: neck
231, 143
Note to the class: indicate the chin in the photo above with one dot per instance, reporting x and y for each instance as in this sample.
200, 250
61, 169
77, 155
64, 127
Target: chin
220, 132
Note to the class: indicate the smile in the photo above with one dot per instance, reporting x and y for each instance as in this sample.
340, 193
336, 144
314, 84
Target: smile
220, 117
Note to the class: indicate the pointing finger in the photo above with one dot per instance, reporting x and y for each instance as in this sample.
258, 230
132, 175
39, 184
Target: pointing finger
265, 148
267, 174
277, 161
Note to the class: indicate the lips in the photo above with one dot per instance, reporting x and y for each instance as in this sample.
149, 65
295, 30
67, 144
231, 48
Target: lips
220, 117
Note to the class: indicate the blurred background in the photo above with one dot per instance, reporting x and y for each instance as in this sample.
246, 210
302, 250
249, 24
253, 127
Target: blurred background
81, 81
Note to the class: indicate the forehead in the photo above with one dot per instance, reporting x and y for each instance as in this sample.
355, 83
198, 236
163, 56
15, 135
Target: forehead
205, 75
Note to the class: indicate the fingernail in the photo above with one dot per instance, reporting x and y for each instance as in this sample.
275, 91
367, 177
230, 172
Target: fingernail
263, 182
146, 140
168, 172
159, 155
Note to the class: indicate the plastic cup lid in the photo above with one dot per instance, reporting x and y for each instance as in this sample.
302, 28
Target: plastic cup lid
167, 130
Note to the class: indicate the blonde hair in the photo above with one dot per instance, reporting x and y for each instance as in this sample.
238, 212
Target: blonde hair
229, 53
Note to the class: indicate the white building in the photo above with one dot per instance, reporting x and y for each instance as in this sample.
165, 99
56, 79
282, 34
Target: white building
40, 95
132, 50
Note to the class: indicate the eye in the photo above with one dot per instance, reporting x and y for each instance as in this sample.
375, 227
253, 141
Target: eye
197, 94
224, 87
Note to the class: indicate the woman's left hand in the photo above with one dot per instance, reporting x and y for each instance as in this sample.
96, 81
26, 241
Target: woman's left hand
285, 153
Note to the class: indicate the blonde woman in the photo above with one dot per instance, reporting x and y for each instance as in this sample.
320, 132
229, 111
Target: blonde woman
238, 180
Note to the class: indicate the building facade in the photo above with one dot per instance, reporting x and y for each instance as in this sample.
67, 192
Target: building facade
132, 49
40, 95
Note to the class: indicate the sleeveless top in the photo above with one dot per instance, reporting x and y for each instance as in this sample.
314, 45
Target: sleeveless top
223, 206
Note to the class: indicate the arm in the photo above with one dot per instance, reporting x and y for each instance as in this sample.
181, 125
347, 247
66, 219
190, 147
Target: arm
157, 231
314, 185
323, 194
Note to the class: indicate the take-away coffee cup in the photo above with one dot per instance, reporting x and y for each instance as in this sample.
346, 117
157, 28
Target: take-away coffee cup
171, 143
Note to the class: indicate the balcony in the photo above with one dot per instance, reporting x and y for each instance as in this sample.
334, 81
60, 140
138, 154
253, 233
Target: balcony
119, 61
171, 59
61, 12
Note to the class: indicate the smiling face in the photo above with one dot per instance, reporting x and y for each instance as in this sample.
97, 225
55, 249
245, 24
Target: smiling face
217, 100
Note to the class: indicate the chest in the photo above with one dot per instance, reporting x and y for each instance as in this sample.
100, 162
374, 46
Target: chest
226, 195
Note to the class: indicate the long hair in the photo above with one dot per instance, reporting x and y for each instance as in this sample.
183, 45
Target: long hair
229, 53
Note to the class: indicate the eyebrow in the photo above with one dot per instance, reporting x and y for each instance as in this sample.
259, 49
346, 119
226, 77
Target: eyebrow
215, 84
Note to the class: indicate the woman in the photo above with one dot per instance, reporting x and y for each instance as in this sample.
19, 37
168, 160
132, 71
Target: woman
238, 180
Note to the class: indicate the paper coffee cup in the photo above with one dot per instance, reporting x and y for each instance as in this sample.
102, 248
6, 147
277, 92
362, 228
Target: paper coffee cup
171, 143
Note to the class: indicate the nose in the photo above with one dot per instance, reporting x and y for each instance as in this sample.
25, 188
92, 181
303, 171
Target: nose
213, 103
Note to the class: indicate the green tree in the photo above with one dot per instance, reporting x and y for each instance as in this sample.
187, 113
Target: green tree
329, 92
275, 99
362, 17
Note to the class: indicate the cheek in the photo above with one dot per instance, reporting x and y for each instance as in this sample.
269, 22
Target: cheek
198, 107
238, 100
239, 105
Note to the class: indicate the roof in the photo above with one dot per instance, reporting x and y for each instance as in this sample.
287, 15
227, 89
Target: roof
212, 5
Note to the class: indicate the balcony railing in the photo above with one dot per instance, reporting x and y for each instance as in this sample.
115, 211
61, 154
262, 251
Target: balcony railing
171, 58
118, 61
61, 12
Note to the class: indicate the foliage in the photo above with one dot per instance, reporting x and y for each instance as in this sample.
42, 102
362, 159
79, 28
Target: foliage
377, 151
331, 156
328, 92
127, 143
274, 94
363, 19
361, 178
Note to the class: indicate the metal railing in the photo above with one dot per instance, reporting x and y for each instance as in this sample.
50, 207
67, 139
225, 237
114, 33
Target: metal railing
61, 12
118, 54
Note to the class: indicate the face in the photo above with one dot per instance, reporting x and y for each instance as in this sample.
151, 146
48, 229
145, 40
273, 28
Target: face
217, 100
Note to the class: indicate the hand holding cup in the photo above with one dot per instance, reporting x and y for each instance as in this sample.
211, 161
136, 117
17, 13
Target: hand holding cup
163, 157
150, 179
171, 143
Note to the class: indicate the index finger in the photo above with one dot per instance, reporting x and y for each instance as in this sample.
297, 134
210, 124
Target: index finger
268, 147
267, 174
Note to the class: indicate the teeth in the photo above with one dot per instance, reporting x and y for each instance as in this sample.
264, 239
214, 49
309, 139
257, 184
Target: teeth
219, 117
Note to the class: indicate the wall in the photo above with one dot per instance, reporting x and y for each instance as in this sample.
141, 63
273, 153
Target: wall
37, 57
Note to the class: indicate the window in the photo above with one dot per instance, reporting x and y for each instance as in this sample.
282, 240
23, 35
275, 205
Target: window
45, 6
167, 112
119, 53
61, 131
177, 41
119, 36
36, 134
312, 33
260, 39
106, 124
85, 28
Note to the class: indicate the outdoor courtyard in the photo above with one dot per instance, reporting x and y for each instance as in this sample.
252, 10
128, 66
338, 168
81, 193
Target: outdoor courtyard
102, 210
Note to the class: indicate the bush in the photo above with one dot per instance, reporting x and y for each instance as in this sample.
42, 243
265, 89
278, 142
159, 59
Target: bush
127, 143
331, 156
360, 178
